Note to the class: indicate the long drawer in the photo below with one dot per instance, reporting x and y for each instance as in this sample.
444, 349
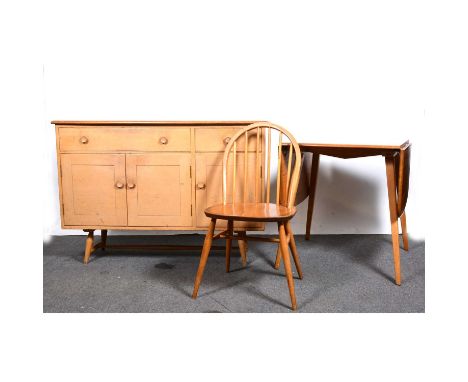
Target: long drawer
213, 139
105, 139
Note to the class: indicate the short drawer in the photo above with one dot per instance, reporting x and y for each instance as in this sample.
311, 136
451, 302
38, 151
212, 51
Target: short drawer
104, 139
216, 139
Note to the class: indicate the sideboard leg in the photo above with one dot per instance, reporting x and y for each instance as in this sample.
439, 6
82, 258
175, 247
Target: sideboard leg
89, 245
103, 239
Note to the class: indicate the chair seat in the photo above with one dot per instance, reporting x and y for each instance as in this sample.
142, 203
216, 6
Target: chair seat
259, 212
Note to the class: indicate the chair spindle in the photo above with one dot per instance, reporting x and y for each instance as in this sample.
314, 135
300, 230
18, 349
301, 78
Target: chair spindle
278, 176
234, 173
268, 167
246, 143
289, 168
257, 164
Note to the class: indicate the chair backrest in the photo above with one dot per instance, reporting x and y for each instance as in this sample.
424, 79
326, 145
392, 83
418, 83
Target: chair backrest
288, 168
402, 168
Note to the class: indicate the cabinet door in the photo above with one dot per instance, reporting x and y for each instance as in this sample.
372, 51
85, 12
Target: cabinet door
209, 185
158, 190
93, 189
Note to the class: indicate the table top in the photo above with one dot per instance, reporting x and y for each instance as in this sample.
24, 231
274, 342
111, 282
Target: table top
359, 146
340, 150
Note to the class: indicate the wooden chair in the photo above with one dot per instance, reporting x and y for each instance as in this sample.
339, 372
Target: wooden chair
241, 208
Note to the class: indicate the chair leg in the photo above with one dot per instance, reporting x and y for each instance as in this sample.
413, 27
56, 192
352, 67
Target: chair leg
391, 188
404, 231
103, 239
287, 263
278, 257
89, 245
204, 257
292, 245
228, 245
243, 247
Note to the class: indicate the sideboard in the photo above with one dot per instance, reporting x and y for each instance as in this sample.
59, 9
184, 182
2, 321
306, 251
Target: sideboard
145, 175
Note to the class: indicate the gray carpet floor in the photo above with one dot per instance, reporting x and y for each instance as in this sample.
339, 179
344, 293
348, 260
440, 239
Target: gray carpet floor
342, 273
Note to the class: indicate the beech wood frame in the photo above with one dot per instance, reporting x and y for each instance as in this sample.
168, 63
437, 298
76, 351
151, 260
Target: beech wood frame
287, 183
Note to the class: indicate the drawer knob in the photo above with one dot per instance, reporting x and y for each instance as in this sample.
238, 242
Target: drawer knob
131, 186
226, 140
119, 185
84, 140
201, 186
163, 140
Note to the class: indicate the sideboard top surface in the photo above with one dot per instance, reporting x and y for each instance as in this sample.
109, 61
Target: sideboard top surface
152, 123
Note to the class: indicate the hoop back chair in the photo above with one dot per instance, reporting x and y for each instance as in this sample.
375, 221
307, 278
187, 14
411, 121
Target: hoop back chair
242, 204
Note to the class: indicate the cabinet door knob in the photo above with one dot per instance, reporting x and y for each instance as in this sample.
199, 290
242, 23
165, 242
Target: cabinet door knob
201, 186
226, 140
163, 140
131, 185
119, 185
83, 140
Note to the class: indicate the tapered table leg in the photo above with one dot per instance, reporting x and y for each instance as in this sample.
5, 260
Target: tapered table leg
404, 231
391, 188
312, 189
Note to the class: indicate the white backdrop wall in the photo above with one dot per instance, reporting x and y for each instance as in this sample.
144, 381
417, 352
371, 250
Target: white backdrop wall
326, 73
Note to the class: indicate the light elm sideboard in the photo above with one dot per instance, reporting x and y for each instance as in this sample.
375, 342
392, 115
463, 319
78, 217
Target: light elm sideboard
144, 175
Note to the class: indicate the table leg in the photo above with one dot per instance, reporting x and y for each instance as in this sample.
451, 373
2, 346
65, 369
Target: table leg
391, 188
312, 188
404, 231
